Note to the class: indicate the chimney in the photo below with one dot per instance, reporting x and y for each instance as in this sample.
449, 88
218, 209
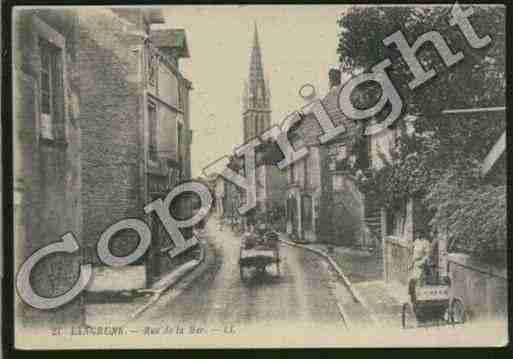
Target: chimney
334, 77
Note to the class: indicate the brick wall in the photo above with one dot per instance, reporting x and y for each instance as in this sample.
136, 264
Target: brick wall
111, 117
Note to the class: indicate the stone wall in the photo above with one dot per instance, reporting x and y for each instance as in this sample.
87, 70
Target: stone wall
483, 287
47, 172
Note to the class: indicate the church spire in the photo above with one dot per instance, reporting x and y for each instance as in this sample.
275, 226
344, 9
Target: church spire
256, 107
255, 36
257, 88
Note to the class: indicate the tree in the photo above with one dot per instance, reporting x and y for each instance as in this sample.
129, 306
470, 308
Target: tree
478, 80
439, 162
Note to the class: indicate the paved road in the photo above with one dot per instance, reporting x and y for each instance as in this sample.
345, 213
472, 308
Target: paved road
302, 294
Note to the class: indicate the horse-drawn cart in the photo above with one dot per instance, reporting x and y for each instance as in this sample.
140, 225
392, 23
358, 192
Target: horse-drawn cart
259, 253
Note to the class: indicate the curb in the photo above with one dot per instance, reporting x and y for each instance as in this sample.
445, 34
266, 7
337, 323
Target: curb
354, 293
157, 293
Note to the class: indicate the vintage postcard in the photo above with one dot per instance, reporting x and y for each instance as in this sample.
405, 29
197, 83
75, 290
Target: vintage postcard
270, 176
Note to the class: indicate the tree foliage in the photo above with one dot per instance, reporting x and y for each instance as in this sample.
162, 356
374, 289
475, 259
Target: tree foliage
439, 162
473, 214
477, 80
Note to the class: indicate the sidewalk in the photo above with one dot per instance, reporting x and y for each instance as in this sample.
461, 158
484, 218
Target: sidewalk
119, 313
363, 273
383, 300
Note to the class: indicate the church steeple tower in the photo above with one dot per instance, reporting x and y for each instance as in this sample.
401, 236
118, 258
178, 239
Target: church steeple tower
256, 97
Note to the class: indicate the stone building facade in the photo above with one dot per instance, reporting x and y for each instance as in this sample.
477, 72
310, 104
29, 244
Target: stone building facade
323, 204
361, 221
136, 133
46, 146
323, 200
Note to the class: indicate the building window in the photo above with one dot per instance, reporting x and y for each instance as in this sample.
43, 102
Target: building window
51, 91
152, 130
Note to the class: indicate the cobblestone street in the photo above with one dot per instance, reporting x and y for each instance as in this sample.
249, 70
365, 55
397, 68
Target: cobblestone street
302, 294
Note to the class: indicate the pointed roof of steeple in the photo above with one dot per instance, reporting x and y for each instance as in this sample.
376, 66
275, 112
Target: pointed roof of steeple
256, 70
255, 36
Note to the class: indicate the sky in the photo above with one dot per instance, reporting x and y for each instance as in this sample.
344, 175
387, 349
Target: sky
298, 46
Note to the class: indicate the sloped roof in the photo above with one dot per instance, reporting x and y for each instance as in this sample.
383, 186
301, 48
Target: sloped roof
310, 130
331, 105
172, 38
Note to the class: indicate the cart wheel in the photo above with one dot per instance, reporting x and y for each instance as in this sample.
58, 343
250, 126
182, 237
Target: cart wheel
457, 313
408, 317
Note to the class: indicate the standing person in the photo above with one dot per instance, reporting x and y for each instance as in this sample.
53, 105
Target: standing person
421, 251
